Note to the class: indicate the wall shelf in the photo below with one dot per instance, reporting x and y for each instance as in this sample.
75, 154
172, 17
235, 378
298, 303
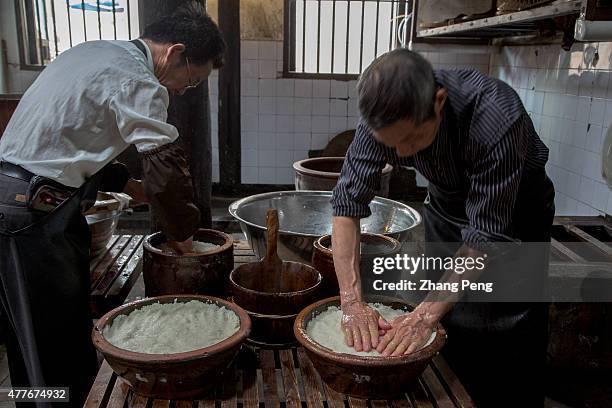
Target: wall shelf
511, 24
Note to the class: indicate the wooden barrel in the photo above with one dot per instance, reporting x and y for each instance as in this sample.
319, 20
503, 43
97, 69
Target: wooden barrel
205, 273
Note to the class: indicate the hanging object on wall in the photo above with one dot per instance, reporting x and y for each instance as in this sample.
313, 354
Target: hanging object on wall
102, 6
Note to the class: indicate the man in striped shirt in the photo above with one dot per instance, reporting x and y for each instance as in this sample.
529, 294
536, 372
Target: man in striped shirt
471, 137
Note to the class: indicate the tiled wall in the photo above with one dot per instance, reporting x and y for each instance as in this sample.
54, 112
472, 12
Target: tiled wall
284, 118
569, 97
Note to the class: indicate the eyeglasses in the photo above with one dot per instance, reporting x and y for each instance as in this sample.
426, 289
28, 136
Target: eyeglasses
191, 84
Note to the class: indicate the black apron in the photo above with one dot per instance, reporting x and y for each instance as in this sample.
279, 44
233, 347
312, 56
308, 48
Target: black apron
498, 350
44, 290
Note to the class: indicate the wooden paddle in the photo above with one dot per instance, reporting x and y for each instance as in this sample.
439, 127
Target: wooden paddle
271, 264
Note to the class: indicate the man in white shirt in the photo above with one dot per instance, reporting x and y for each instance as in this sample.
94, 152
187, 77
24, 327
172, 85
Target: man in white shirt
84, 109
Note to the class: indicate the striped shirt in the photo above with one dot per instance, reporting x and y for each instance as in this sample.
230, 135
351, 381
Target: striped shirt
485, 145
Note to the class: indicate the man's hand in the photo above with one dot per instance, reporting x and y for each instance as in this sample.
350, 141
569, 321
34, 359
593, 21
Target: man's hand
182, 248
408, 334
362, 325
134, 189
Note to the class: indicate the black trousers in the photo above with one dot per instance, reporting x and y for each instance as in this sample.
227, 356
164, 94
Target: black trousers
44, 291
498, 350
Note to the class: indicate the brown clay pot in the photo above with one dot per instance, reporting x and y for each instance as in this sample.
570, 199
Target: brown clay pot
373, 245
202, 274
322, 173
364, 376
171, 376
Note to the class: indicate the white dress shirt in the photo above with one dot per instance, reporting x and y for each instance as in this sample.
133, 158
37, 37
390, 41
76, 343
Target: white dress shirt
84, 109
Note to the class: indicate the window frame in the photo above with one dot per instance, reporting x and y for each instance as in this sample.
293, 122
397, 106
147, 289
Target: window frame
289, 37
23, 35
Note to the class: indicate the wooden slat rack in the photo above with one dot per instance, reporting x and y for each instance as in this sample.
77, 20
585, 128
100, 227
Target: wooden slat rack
284, 378
114, 272
262, 378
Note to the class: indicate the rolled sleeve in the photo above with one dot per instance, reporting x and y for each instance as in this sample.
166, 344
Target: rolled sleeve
141, 111
168, 186
360, 176
494, 185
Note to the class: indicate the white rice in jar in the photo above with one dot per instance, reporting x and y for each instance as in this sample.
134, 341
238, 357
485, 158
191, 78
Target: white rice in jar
326, 330
168, 328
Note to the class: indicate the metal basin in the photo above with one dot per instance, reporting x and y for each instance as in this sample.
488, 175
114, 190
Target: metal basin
304, 216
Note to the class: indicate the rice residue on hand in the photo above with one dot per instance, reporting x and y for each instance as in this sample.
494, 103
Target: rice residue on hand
326, 330
172, 327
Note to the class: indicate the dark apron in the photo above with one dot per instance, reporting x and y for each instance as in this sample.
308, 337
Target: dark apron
498, 350
44, 290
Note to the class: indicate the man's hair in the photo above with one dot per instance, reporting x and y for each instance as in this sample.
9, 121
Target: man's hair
397, 85
189, 24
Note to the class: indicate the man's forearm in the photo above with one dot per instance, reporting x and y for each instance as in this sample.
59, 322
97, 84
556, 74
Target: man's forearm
345, 249
437, 303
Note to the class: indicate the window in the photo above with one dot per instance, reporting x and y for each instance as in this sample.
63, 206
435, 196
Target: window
339, 38
49, 27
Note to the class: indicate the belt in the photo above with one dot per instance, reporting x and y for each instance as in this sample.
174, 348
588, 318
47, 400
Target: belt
18, 172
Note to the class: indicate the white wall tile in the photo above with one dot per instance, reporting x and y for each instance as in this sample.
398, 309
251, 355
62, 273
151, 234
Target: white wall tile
584, 110
279, 50
285, 175
267, 69
267, 105
352, 89
321, 106
319, 140
249, 87
249, 122
300, 155
600, 84
321, 88
249, 157
284, 141
249, 104
337, 124
284, 123
320, 124
301, 141
285, 87
249, 175
352, 107
267, 123
249, 50
303, 88
608, 114
267, 158
266, 141
249, 139
302, 123
267, 50
598, 110
267, 87
338, 107
302, 106
284, 158
339, 89
267, 175
284, 105
249, 69
594, 141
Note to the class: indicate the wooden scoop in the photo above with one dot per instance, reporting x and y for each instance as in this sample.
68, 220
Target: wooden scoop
271, 264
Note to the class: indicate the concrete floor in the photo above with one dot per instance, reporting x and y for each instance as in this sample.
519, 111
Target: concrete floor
138, 223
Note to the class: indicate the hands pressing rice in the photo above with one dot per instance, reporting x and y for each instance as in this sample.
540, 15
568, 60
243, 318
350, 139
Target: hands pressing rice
365, 329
